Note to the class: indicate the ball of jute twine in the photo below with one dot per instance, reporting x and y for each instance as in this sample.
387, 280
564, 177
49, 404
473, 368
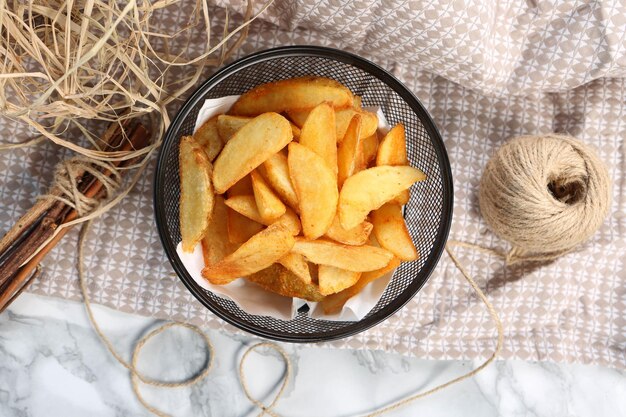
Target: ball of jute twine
545, 195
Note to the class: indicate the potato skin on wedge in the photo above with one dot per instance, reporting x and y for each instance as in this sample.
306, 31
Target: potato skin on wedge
278, 279
196, 192
302, 93
249, 147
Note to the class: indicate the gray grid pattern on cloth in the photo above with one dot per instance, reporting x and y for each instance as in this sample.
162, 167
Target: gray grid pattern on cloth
571, 310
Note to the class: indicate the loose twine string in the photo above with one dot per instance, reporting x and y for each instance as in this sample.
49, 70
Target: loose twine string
137, 376
554, 159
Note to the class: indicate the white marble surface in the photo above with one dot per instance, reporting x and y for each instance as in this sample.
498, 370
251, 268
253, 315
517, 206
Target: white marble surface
52, 364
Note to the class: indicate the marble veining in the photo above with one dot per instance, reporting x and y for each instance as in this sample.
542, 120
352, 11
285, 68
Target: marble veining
53, 364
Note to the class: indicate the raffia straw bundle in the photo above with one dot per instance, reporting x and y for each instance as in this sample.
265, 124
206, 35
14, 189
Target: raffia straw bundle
68, 62
82, 65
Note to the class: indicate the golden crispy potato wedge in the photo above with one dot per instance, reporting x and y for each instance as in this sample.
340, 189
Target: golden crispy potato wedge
356, 103
250, 146
241, 228
279, 280
342, 120
333, 304
276, 171
333, 279
259, 252
291, 221
392, 151
296, 131
298, 265
369, 189
369, 122
391, 232
298, 117
318, 134
215, 243
208, 137
246, 206
402, 198
269, 205
356, 236
293, 94
370, 148
241, 187
316, 188
196, 192
349, 151
228, 125
352, 258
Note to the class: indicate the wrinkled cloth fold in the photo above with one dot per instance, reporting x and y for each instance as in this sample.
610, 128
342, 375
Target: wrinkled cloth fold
486, 73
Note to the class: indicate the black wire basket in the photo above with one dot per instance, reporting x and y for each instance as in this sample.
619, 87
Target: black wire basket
428, 214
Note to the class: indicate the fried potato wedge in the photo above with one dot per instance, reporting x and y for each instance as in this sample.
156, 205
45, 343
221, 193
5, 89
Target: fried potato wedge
392, 151
246, 206
241, 187
333, 279
298, 117
207, 136
269, 205
296, 131
259, 252
291, 221
318, 134
333, 304
298, 265
370, 148
342, 120
356, 103
241, 228
279, 280
369, 122
276, 171
293, 94
249, 147
356, 236
215, 243
352, 258
228, 125
196, 192
316, 188
349, 151
391, 232
369, 189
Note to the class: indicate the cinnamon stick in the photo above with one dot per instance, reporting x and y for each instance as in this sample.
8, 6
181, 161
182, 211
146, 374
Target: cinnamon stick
112, 137
52, 217
20, 280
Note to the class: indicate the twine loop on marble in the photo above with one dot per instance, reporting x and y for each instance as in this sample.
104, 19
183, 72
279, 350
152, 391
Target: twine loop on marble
572, 176
545, 195
137, 376
265, 409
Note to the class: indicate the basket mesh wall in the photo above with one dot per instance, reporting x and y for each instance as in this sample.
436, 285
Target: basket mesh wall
424, 213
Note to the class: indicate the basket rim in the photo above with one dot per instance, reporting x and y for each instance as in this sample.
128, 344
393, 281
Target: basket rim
412, 101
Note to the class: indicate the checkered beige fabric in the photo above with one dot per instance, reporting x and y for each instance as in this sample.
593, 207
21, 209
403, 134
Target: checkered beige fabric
486, 73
